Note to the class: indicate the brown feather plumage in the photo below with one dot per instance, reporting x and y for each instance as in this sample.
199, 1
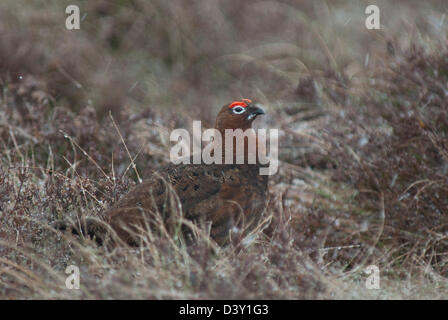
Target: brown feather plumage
226, 196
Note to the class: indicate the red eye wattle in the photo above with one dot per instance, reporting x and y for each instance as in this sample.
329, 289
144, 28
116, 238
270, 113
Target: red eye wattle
242, 103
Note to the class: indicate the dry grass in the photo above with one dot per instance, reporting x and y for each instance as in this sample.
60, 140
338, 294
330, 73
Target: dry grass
363, 150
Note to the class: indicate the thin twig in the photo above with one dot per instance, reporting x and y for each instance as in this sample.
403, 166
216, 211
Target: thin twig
125, 146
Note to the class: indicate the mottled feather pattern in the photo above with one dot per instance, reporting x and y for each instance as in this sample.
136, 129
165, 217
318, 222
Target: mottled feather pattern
228, 197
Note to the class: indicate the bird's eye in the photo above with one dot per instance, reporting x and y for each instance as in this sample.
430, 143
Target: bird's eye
238, 110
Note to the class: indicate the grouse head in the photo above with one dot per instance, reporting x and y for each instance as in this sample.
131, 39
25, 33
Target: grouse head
238, 115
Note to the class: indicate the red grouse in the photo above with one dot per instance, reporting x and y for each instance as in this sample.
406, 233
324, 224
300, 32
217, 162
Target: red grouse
228, 197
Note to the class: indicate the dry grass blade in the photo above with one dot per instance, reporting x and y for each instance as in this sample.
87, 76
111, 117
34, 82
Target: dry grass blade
125, 146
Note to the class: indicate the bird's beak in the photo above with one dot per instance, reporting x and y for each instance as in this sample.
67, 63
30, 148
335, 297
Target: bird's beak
254, 111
